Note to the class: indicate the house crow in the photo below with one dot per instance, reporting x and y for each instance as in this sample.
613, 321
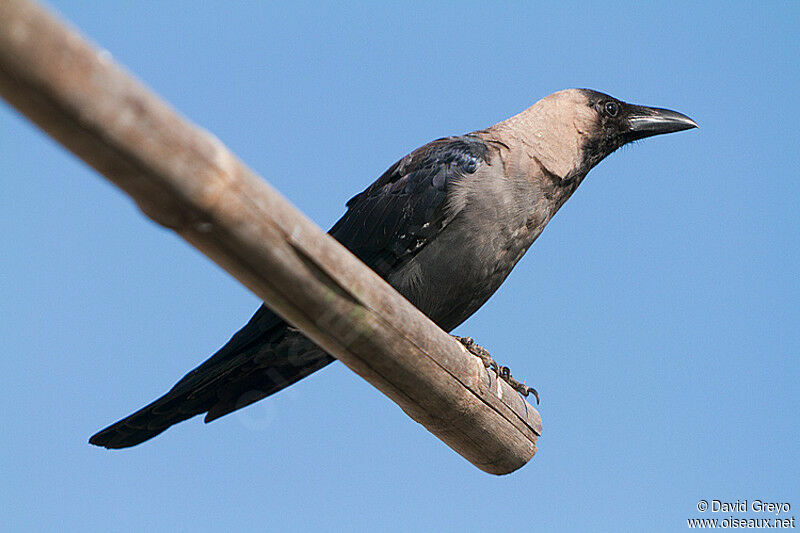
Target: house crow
444, 226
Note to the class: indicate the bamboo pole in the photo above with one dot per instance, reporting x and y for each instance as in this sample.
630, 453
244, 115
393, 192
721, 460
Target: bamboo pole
186, 180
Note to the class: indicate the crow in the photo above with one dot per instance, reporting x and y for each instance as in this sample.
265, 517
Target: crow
444, 226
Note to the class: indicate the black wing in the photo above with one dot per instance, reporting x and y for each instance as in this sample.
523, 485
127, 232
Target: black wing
405, 208
384, 226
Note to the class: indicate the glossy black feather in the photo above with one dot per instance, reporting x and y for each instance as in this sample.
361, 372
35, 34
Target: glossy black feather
405, 208
384, 226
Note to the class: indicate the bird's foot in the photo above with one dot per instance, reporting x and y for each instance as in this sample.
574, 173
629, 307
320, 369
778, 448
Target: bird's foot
503, 372
521, 388
477, 350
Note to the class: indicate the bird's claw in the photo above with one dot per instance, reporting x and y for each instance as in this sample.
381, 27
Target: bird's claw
477, 350
502, 372
522, 388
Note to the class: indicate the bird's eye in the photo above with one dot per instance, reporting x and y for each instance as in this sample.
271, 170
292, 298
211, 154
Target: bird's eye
611, 109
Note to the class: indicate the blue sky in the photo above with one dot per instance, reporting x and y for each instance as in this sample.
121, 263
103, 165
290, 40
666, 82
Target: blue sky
657, 314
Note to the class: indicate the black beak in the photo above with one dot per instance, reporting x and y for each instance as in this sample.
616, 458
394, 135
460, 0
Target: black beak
648, 121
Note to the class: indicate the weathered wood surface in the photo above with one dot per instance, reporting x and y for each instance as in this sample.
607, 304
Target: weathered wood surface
186, 180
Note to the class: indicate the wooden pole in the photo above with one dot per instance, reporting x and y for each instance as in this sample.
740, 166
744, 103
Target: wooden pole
186, 180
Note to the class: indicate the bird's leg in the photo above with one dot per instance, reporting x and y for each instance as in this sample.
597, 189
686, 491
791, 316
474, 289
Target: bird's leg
477, 350
503, 372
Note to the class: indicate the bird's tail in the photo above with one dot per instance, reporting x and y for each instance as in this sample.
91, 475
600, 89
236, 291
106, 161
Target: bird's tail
262, 358
147, 422
223, 393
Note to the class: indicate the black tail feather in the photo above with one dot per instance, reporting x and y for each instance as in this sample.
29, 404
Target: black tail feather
144, 424
262, 358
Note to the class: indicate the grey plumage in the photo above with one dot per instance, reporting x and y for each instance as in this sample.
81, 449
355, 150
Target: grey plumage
444, 225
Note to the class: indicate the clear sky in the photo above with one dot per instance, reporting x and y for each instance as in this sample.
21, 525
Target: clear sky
657, 314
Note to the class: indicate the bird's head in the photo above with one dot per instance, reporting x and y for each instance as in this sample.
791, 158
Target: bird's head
572, 130
617, 123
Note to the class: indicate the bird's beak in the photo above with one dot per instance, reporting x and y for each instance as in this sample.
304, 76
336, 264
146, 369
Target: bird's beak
648, 121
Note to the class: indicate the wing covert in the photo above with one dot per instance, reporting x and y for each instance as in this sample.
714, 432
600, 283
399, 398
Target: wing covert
405, 208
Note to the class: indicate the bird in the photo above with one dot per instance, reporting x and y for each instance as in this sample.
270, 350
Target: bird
444, 226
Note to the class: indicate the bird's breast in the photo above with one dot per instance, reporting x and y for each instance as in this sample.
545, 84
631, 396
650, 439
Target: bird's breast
456, 273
